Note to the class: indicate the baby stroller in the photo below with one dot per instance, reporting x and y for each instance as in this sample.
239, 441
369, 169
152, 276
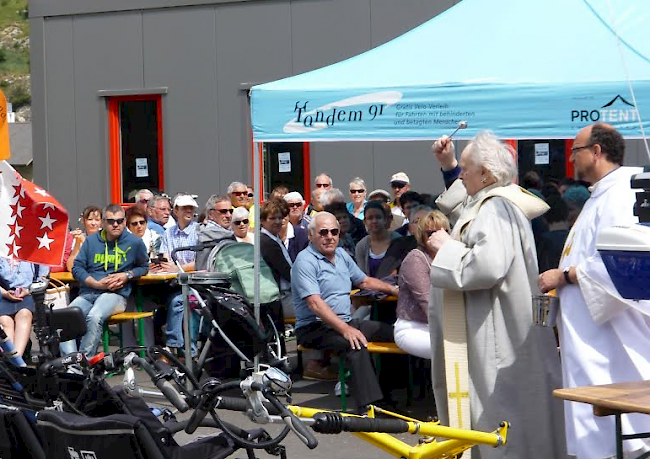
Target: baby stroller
228, 331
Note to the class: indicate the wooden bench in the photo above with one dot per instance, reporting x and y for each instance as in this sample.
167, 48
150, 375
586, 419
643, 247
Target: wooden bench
119, 319
374, 347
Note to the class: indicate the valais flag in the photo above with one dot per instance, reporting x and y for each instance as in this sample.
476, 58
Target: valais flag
33, 225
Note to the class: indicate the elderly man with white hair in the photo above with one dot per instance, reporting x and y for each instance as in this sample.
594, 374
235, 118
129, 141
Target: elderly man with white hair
321, 279
296, 239
490, 260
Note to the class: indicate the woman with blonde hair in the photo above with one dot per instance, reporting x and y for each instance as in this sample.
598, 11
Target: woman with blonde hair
412, 326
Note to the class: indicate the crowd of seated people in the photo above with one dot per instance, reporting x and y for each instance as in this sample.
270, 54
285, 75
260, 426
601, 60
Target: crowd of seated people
384, 233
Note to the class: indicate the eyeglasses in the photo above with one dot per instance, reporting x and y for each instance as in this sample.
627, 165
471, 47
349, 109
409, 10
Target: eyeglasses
241, 222
324, 232
398, 185
576, 149
323, 185
357, 191
251, 195
295, 204
224, 211
114, 221
138, 223
143, 201
240, 193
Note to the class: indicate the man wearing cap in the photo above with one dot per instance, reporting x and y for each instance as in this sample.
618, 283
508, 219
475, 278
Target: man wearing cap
182, 234
400, 184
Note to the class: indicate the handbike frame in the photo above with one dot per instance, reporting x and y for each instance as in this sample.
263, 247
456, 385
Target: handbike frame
454, 442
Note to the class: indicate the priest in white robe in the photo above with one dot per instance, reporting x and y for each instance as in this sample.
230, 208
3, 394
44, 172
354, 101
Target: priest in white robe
491, 258
604, 338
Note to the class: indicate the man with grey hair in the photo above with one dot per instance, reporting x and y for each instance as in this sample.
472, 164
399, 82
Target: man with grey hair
321, 279
357, 227
158, 211
330, 196
142, 197
218, 211
323, 180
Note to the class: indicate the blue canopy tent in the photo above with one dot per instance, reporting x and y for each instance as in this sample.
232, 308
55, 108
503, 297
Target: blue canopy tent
526, 69
522, 68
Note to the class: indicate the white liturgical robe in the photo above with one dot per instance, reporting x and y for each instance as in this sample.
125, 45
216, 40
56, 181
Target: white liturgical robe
604, 338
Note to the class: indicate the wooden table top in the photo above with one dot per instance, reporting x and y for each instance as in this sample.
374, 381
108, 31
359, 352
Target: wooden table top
148, 279
627, 397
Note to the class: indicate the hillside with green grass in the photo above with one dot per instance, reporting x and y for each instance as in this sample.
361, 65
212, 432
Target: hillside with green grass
14, 52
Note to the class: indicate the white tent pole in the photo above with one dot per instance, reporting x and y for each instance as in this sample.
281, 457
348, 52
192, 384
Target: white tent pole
256, 258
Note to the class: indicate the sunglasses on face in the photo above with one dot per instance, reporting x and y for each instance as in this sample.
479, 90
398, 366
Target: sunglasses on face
138, 223
240, 193
224, 211
115, 221
398, 185
357, 191
295, 204
241, 222
251, 195
324, 232
323, 185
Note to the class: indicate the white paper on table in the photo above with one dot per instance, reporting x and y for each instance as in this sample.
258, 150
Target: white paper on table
284, 162
542, 153
141, 167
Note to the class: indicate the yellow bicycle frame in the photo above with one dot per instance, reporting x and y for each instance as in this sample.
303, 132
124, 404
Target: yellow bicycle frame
438, 442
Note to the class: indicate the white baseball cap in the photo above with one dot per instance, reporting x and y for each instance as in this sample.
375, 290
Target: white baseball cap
185, 200
400, 177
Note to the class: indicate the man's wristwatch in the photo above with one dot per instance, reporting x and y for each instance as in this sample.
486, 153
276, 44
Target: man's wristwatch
129, 275
566, 275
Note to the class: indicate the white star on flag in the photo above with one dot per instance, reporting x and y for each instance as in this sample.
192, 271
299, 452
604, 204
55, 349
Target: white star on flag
19, 210
42, 192
48, 205
17, 231
15, 249
47, 221
44, 241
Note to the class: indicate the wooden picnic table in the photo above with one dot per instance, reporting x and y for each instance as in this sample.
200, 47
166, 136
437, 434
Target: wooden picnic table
149, 279
613, 400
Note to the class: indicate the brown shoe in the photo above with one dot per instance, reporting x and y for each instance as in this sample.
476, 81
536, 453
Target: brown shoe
316, 372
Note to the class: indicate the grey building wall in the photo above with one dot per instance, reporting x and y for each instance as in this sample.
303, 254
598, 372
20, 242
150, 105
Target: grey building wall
202, 55
205, 54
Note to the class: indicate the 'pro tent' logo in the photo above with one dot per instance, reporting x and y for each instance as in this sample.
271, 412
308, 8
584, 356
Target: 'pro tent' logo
617, 110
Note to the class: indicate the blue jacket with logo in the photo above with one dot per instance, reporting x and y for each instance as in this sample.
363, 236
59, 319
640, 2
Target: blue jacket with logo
98, 258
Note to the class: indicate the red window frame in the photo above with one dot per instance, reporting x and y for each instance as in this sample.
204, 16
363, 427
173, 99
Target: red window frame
115, 146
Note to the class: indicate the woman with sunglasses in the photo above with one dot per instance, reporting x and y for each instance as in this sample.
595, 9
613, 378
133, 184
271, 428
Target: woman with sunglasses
240, 224
136, 222
412, 326
357, 203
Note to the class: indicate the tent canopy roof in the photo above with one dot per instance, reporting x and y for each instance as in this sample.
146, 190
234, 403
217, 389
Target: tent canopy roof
501, 42
523, 68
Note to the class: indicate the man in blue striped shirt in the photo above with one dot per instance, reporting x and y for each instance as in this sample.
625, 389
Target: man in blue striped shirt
182, 234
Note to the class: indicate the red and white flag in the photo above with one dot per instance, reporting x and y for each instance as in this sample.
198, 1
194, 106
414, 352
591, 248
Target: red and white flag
33, 225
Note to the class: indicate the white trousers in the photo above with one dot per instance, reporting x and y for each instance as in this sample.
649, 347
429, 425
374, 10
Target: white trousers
413, 337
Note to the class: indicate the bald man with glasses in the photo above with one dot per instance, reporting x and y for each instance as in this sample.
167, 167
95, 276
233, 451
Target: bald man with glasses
321, 279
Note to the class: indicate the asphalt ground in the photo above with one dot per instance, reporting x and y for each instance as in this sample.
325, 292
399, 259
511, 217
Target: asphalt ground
316, 394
